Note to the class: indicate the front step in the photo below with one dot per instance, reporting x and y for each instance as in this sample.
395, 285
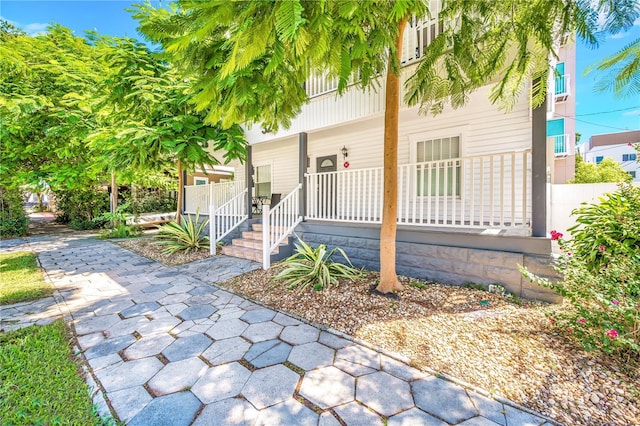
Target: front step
250, 246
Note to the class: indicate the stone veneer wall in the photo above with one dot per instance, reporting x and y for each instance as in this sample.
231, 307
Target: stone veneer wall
448, 257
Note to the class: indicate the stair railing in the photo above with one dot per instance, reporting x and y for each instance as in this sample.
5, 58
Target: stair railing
278, 222
226, 218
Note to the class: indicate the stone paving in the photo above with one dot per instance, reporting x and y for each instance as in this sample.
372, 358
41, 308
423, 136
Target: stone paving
166, 347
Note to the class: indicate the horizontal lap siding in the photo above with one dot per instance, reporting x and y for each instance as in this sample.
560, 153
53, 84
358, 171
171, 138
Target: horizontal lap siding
283, 157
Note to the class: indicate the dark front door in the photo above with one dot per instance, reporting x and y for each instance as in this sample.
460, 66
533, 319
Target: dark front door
327, 185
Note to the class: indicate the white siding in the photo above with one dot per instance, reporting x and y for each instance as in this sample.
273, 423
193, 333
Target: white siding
283, 158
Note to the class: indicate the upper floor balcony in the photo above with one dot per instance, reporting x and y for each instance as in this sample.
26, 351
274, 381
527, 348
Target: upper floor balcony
562, 88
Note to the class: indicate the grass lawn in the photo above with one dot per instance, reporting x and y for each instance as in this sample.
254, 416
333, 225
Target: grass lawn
39, 381
21, 278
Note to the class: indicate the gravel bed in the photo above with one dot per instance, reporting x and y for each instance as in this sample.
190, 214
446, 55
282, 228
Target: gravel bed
505, 346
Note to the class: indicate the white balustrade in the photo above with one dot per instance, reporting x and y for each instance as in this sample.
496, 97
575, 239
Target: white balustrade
278, 222
483, 191
199, 197
226, 218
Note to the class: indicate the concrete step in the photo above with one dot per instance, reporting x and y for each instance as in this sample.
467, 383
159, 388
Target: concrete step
258, 227
254, 244
243, 252
252, 235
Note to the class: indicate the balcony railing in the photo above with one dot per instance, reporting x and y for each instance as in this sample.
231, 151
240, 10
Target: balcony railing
562, 88
561, 145
483, 191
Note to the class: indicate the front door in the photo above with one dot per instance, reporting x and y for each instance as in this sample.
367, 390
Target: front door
327, 185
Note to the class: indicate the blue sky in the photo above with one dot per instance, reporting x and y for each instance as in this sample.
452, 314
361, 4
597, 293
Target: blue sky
596, 113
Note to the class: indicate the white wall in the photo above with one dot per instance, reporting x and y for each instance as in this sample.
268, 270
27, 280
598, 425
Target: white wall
615, 152
567, 197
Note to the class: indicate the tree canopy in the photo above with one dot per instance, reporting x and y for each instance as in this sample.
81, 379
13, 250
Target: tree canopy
608, 170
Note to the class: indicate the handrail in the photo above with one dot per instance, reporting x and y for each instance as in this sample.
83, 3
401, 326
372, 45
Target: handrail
278, 222
230, 215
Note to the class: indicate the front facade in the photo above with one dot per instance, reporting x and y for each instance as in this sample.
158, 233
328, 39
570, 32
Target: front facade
471, 182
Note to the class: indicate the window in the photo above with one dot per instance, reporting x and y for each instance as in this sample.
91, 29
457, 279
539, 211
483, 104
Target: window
444, 175
633, 174
263, 181
599, 159
200, 181
561, 83
629, 157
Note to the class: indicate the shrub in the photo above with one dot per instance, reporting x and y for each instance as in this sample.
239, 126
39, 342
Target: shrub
601, 271
79, 207
315, 267
186, 236
13, 220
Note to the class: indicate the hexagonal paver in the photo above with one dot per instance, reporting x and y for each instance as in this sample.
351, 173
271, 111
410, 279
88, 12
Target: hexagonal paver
205, 289
187, 347
221, 382
401, 370
517, 417
155, 287
413, 417
201, 299
109, 346
312, 355
148, 346
128, 402
489, 408
262, 331
300, 334
197, 312
333, 341
173, 298
285, 320
270, 386
481, 421
128, 374
226, 329
227, 350
177, 376
270, 352
230, 412
356, 414
443, 399
258, 315
140, 309
290, 412
178, 409
384, 393
157, 326
327, 419
328, 387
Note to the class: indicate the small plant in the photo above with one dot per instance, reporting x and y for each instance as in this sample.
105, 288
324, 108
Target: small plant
417, 284
315, 267
118, 221
186, 236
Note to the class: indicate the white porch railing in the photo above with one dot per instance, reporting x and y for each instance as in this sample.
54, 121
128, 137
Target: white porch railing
278, 222
226, 218
562, 87
199, 197
483, 191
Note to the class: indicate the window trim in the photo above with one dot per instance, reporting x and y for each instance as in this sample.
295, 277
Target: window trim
197, 179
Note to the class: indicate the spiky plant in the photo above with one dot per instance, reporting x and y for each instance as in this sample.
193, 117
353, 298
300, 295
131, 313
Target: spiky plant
315, 267
185, 236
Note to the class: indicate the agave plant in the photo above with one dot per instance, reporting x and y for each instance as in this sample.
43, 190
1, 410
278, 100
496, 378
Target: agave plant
315, 267
186, 236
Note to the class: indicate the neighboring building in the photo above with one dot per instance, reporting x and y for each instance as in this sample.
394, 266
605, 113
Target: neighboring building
471, 182
617, 146
561, 130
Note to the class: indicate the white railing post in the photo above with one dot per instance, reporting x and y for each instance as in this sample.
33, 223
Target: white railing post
213, 240
266, 240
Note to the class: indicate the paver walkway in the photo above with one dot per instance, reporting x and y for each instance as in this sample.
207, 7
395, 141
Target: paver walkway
169, 348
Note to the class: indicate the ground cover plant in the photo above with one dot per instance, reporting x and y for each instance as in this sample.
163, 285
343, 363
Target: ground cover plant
21, 278
39, 381
13, 220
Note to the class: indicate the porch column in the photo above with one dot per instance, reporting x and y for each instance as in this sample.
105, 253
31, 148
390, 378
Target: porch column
302, 169
184, 192
539, 169
248, 172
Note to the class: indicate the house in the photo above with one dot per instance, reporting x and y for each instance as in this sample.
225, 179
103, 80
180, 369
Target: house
472, 182
617, 146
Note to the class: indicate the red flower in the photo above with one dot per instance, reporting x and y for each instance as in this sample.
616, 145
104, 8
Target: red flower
570, 330
616, 302
582, 320
612, 334
555, 235
552, 320
630, 144
602, 249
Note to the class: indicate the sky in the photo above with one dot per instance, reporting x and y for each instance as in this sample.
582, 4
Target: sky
596, 112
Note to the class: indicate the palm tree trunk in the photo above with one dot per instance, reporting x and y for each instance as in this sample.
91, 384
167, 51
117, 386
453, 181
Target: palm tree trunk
388, 277
180, 191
